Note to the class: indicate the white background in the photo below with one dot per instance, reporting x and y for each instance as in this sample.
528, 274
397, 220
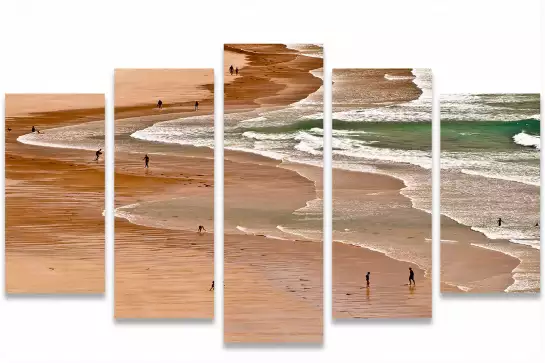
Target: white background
73, 46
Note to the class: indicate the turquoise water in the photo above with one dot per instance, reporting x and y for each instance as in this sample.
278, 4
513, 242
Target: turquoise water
486, 136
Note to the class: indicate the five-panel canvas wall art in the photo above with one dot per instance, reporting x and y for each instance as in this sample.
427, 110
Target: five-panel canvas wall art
273, 193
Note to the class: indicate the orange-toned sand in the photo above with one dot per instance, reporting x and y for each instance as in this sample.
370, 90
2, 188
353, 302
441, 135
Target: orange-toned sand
160, 272
273, 288
54, 200
388, 296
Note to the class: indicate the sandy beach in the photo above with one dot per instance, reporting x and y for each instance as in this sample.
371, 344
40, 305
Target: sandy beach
273, 280
163, 267
59, 247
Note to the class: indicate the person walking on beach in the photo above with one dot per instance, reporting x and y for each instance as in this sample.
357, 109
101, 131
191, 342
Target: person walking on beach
97, 154
236, 71
367, 278
212, 287
499, 222
146, 159
160, 104
196, 105
201, 229
411, 277
231, 69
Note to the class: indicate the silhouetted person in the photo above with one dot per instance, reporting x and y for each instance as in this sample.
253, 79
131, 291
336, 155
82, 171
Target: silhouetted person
196, 105
201, 229
34, 129
367, 277
212, 287
499, 222
146, 159
97, 154
537, 224
411, 277
160, 104
231, 69
9, 129
236, 71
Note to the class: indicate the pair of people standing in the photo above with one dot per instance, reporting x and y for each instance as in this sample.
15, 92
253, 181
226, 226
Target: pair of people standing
411, 278
160, 105
233, 70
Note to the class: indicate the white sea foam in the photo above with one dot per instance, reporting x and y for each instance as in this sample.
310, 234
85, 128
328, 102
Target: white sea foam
524, 139
418, 110
86, 136
244, 229
483, 107
497, 165
309, 50
397, 78
196, 131
263, 136
415, 157
524, 278
534, 243
124, 212
310, 235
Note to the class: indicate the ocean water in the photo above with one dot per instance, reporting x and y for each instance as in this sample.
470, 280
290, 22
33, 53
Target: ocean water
378, 129
289, 134
85, 136
490, 169
293, 135
192, 130
388, 138
491, 154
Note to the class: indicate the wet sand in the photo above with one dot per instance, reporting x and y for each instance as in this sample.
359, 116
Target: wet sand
162, 272
273, 287
59, 246
398, 229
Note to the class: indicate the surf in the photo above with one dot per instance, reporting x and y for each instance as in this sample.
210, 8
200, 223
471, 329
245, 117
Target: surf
525, 139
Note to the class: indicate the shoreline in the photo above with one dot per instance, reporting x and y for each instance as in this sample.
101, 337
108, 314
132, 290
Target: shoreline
273, 280
163, 266
51, 257
427, 269
371, 206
